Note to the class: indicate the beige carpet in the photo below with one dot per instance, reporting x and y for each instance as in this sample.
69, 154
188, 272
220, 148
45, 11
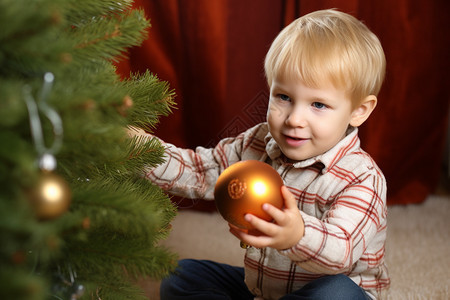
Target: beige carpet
418, 247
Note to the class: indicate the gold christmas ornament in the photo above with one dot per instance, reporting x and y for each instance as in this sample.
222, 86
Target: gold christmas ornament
243, 188
50, 197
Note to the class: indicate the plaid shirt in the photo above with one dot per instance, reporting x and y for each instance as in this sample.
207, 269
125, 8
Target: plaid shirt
341, 195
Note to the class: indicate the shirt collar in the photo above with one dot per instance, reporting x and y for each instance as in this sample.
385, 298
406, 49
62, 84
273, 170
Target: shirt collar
326, 160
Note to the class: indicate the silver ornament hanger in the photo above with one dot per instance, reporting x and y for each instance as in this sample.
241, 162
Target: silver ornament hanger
47, 159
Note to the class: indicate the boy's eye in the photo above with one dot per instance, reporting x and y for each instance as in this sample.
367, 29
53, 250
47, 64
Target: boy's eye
319, 105
284, 97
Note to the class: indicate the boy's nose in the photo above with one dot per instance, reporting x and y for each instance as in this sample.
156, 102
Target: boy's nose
297, 118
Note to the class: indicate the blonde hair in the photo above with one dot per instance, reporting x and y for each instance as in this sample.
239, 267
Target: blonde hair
328, 45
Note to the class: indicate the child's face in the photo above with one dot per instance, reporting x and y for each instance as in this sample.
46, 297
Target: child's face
305, 121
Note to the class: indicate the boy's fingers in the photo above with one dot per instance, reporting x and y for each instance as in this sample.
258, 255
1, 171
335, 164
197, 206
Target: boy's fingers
261, 227
289, 203
271, 210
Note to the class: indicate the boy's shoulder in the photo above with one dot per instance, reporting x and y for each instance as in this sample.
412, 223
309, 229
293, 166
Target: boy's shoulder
358, 162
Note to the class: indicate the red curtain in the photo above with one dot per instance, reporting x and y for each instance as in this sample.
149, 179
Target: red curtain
212, 52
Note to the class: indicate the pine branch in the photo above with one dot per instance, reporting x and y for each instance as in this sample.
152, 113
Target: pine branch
16, 283
12, 109
107, 205
151, 99
78, 10
106, 37
144, 152
115, 215
30, 40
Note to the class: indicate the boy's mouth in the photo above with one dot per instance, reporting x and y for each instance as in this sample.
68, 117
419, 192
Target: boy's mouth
295, 141
294, 137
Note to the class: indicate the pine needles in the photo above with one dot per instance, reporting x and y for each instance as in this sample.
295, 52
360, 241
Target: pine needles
110, 234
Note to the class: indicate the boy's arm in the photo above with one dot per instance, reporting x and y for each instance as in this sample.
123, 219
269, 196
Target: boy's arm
186, 172
193, 174
337, 241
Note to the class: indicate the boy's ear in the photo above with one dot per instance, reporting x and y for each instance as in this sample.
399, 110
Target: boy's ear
363, 110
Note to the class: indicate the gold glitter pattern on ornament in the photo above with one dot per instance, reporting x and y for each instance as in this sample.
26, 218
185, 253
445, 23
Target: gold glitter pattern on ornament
236, 188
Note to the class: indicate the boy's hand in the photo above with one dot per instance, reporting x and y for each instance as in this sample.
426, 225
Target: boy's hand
285, 232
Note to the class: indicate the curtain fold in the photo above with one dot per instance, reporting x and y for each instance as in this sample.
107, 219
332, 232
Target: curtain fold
212, 53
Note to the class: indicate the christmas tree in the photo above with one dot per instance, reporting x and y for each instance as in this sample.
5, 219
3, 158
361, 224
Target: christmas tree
76, 216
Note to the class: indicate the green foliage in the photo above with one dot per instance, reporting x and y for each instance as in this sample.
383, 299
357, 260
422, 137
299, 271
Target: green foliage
110, 234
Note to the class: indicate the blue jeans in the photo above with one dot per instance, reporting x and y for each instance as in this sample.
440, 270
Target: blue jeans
207, 280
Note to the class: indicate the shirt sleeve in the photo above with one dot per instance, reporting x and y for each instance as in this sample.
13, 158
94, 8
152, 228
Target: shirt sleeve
334, 243
193, 173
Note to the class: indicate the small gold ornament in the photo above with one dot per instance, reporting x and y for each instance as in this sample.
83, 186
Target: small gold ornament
243, 188
50, 197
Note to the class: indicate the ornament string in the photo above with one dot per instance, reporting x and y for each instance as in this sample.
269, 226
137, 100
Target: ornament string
68, 288
46, 158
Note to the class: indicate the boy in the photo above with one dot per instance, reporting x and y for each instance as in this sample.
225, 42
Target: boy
324, 72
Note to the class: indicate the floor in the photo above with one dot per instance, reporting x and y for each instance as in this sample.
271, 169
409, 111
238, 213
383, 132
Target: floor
418, 247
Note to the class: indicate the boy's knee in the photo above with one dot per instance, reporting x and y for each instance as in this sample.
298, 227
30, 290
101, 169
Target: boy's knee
188, 274
173, 283
183, 265
336, 287
339, 287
